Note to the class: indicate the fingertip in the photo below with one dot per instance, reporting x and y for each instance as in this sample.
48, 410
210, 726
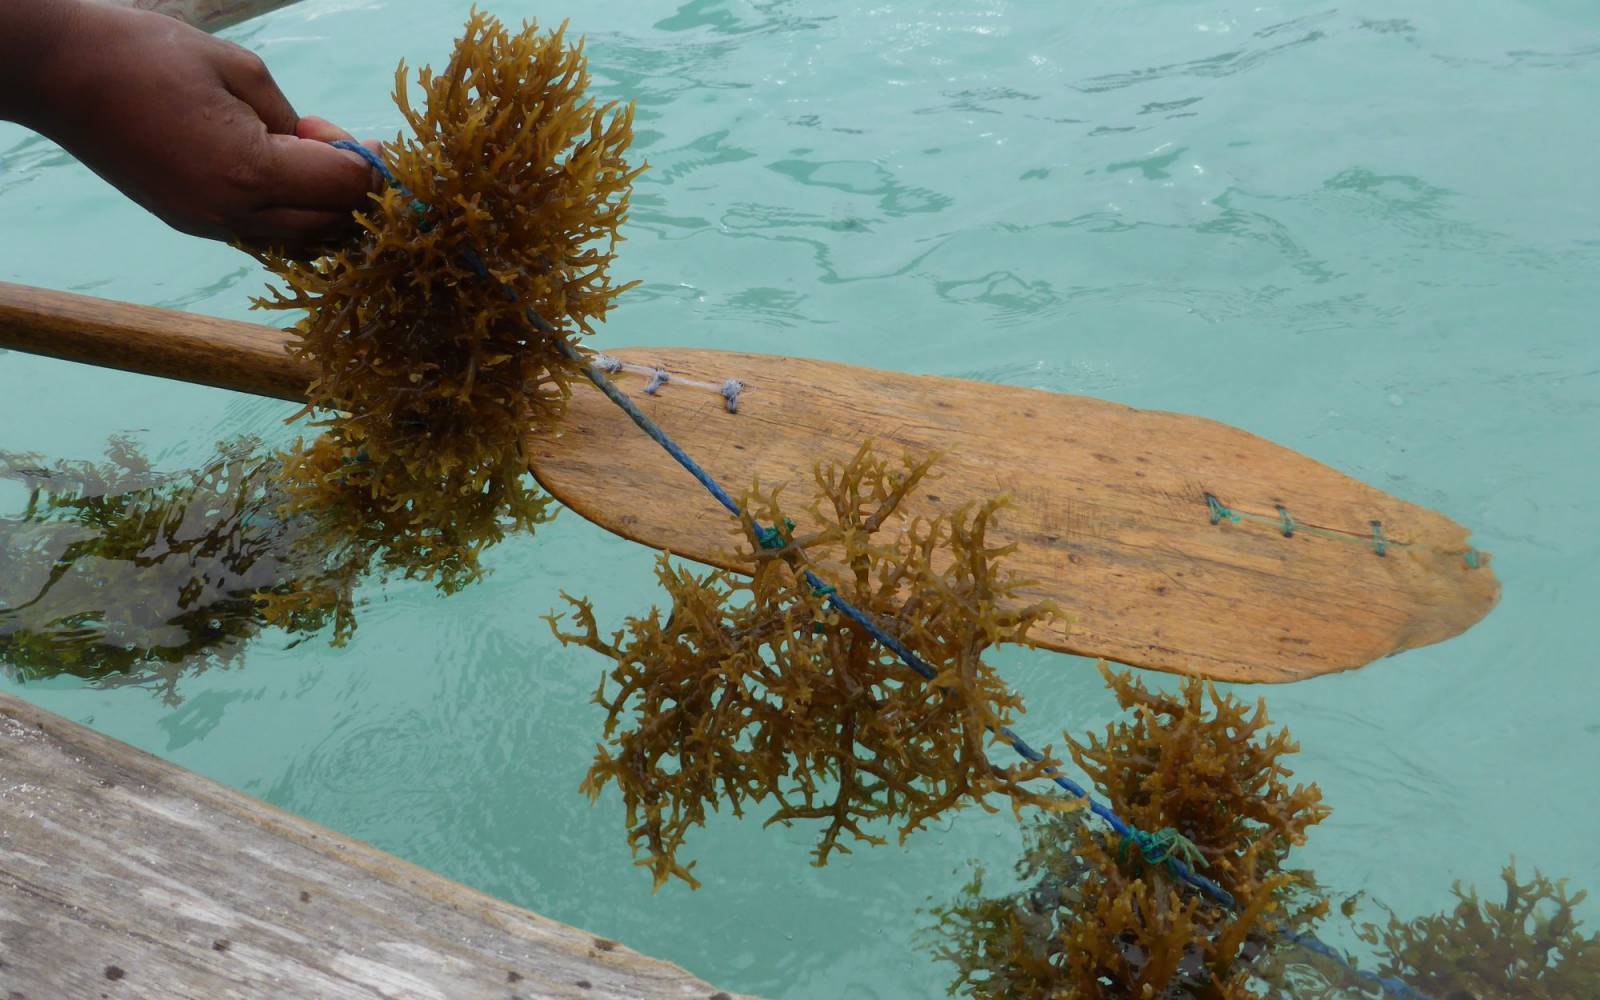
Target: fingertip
320, 129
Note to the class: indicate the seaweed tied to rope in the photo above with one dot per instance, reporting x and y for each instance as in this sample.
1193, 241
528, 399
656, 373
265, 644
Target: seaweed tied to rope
507, 197
752, 689
1203, 769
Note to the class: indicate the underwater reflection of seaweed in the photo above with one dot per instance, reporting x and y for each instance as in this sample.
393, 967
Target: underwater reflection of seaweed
118, 574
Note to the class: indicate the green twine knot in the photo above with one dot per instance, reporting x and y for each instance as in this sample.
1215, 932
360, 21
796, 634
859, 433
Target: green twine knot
774, 538
1165, 846
1285, 522
823, 590
1218, 511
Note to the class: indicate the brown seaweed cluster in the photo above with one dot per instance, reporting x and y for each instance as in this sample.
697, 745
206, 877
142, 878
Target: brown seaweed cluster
116, 573
1526, 946
754, 689
431, 374
1099, 921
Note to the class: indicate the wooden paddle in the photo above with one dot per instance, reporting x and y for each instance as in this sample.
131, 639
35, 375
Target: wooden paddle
1289, 570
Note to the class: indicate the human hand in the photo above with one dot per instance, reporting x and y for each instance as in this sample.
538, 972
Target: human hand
194, 129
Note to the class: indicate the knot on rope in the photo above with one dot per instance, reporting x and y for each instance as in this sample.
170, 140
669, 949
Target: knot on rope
1285, 522
658, 378
1380, 545
1162, 847
1218, 510
826, 591
730, 391
606, 363
774, 538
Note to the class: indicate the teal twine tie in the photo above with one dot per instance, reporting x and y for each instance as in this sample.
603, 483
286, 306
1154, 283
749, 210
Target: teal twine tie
1162, 847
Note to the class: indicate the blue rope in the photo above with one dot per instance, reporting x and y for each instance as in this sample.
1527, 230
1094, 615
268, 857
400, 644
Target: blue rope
777, 540
1390, 985
376, 162
766, 537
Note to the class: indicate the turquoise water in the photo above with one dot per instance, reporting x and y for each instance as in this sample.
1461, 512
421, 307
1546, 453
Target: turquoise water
1367, 232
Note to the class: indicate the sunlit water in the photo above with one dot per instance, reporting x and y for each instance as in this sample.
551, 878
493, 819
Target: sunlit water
1366, 232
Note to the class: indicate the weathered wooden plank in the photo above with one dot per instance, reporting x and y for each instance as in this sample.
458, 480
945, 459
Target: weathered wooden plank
208, 15
125, 876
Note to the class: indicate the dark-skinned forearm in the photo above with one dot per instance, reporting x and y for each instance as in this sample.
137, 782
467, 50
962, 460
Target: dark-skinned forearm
190, 126
34, 36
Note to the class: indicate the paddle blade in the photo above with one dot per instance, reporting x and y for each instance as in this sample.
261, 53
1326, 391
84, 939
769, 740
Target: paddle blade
1171, 542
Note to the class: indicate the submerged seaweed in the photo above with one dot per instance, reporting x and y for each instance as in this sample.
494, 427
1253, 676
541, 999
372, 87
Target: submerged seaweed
751, 689
1526, 946
1101, 922
430, 374
118, 574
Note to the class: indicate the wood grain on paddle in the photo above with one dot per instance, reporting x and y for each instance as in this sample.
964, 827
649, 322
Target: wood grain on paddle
1108, 511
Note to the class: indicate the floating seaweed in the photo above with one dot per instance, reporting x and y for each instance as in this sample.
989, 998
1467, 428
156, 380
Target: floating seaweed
118, 574
1527, 946
1100, 920
430, 377
753, 689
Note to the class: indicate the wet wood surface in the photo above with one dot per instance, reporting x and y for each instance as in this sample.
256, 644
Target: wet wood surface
1109, 504
123, 876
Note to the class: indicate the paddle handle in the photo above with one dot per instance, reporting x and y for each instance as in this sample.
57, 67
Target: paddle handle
244, 357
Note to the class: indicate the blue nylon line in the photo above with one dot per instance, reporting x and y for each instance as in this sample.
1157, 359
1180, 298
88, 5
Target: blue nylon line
1021, 746
1216, 892
1390, 985
375, 161
647, 425
911, 659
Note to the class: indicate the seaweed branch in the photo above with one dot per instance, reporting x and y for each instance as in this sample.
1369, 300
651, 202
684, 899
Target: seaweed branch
429, 377
1100, 922
750, 689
